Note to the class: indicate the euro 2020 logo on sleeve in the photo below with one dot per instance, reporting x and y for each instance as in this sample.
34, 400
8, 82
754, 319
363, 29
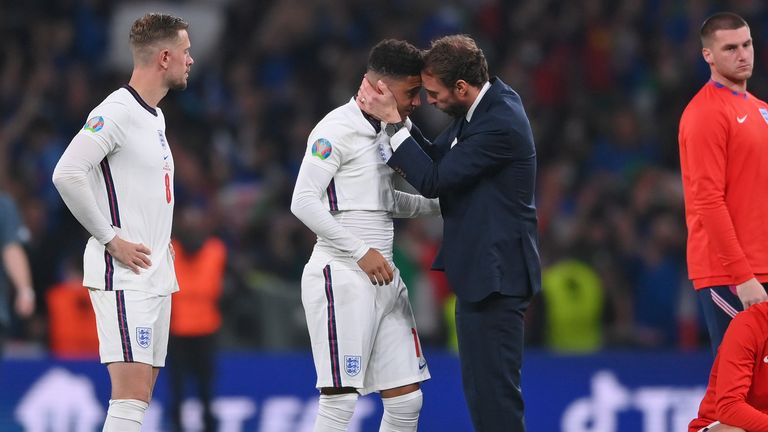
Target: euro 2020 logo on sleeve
94, 124
322, 148
352, 365
144, 336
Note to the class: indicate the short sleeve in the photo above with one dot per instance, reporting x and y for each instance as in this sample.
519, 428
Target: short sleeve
106, 125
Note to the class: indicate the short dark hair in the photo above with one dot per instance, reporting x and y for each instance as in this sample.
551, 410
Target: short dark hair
720, 21
396, 58
155, 27
456, 57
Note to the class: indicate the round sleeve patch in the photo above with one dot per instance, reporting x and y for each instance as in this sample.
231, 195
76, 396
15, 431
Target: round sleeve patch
322, 148
94, 124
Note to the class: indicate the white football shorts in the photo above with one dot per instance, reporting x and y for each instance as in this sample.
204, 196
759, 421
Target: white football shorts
133, 326
363, 335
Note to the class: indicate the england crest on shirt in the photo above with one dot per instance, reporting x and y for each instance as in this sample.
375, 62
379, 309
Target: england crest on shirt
764, 113
160, 135
144, 336
352, 365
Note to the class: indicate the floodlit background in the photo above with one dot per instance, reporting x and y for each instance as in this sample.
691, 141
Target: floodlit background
616, 341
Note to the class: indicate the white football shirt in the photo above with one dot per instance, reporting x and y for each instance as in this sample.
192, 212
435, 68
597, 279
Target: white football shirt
117, 178
344, 170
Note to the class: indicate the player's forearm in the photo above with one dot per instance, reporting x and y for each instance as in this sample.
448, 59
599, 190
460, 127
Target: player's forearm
411, 206
70, 179
741, 414
721, 233
17, 268
308, 208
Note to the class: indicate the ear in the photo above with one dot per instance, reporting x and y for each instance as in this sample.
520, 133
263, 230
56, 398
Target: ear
707, 54
164, 57
461, 87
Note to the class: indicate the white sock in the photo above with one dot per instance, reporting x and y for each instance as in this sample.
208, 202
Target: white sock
334, 412
125, 415
401, 413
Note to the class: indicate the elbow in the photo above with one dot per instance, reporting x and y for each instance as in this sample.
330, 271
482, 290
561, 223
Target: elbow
58, 178
296, 208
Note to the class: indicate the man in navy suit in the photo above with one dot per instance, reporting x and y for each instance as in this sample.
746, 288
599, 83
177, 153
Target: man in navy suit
483, 169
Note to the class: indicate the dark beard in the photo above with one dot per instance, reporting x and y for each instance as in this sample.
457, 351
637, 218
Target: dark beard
456, 110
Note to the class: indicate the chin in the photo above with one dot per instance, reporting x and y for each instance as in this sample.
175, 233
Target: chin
179, 86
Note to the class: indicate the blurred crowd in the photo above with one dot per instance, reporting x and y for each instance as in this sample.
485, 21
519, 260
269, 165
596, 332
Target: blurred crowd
604, 83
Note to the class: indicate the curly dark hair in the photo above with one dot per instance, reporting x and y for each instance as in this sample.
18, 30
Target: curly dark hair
395, 58
456, 57
720, 21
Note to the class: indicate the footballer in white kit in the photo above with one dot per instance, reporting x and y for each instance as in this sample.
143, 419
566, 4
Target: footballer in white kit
127, 172
363, 335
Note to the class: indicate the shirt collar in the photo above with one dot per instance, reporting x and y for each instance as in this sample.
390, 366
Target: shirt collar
480, 95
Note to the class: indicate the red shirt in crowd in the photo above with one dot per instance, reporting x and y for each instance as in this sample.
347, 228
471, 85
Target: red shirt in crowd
724, 161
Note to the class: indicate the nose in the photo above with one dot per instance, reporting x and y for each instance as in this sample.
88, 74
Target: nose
416, 101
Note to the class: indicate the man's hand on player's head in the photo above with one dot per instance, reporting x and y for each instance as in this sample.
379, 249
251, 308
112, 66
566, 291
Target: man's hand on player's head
135, 256
378, 102
751, 293
376, 267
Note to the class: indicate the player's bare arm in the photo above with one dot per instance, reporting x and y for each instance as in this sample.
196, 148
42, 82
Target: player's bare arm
378, 102
376, 267
751, 293
135, 256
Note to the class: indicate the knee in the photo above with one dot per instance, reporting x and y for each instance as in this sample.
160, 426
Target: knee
401, 413
337, 408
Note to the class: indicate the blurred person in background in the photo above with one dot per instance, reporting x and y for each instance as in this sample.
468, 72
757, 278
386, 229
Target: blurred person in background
483, 169
116, 177
360, 320
71, 319
200, 263
14, 270
722, 157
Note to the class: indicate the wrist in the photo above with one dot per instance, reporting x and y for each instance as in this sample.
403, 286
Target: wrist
392, 128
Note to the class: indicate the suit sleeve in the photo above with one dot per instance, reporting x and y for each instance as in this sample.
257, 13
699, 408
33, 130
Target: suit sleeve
706, 136
473, 158
738, 354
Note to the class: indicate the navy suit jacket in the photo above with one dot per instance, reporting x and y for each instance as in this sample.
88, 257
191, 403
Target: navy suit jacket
486, 188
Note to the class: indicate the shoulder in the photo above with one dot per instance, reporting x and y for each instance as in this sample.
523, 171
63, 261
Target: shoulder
704, 115
336, 127
751, 322
116, 106
503, 111
705, 103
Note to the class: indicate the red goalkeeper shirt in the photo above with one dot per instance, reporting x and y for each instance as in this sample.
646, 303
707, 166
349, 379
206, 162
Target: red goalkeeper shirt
737, 394
723, 141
